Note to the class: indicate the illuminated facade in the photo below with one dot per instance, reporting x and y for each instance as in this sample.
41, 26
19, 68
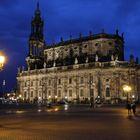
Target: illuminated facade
77, 69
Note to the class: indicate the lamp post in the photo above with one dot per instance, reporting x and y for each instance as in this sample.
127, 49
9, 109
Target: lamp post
127, 89
2, 60
56, 98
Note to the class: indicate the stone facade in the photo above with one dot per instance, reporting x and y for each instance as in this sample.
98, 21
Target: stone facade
77, 69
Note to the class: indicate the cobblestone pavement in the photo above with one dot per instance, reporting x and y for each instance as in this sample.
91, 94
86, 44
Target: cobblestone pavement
69, 123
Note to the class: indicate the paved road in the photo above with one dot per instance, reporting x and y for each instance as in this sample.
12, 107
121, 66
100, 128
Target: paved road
69, 123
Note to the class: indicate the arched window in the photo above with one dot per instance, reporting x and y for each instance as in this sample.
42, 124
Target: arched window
107, 92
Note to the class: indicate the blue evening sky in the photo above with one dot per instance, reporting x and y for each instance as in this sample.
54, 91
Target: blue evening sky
62, 18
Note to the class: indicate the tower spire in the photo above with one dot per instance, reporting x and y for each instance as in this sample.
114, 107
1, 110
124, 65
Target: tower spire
37, 5
36, 40
37, 11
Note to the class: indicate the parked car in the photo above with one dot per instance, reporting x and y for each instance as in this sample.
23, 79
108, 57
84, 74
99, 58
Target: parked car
62, 102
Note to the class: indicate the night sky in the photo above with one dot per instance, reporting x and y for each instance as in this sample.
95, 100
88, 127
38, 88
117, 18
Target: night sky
62, 18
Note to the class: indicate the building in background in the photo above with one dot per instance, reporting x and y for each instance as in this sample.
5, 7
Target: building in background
79, 69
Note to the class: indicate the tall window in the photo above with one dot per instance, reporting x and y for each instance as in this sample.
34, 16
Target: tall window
107, 80
40, 94
31, 95
59, 81
70, 93
40, 83
107, 92
81, 92
49, 93
59, 93
45, 95
70, 80
91, 78
49, 82
25, 84
91, 92
31, 83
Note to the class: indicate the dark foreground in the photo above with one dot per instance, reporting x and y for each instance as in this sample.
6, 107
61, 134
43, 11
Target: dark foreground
69, 123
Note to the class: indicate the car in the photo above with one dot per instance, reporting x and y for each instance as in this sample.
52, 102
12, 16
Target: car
62, 102
49, 104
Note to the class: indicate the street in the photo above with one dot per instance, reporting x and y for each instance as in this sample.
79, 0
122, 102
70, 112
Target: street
69, 123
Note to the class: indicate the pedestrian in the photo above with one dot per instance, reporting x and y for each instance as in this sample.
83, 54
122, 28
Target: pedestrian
91, 102
134, 108
129, 108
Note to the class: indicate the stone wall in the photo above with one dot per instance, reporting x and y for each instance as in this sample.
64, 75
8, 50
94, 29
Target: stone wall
78, 83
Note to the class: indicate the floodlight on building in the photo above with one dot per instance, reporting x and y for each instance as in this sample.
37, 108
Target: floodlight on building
127, 89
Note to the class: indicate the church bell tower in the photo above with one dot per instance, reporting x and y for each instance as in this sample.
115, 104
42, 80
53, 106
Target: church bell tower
36, 42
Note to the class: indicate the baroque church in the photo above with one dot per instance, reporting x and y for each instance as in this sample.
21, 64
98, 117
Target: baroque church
78, 69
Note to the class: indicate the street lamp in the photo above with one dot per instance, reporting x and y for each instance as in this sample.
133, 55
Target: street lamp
127, 89
56, 98
2, 60
49, 98
20, 96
